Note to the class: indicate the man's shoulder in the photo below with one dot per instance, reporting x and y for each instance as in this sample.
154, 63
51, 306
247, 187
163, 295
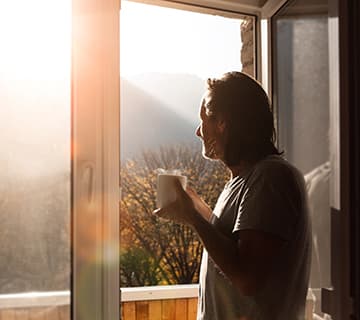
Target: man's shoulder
276, 168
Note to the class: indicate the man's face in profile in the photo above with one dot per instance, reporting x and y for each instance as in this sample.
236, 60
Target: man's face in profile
209, 130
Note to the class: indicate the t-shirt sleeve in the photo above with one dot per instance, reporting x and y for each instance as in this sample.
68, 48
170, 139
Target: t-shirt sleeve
270, 202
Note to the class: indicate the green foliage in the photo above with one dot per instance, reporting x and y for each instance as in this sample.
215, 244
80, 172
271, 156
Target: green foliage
138, 268
175, 249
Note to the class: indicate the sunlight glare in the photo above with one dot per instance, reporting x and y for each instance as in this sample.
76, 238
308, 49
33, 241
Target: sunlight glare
35, 71
34, 38
158, 39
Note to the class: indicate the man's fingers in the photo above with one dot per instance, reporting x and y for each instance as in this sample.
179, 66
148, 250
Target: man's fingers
190, 191
165, 211
161, 213
178, 187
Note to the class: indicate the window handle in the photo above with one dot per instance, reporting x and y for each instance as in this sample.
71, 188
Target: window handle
89, 181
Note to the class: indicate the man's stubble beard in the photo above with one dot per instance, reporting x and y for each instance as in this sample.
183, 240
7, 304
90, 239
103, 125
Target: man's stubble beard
209, 149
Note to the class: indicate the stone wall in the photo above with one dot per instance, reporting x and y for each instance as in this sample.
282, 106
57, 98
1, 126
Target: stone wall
247, 49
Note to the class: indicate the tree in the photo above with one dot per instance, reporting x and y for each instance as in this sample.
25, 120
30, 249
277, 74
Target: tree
175, 249
138, 268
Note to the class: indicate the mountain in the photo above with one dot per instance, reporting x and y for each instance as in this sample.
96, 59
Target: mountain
147, 122
179, 92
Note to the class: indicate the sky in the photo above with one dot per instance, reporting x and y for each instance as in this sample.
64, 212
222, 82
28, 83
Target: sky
158, 39
35, 68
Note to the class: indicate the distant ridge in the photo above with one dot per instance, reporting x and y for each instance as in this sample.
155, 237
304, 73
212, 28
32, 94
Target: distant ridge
179, 92
148, 123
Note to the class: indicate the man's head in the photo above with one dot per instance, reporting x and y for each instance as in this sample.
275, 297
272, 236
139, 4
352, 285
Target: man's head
236, 120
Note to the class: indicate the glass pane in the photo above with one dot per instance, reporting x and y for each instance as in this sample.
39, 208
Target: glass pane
35, 159
302, 104
166, 55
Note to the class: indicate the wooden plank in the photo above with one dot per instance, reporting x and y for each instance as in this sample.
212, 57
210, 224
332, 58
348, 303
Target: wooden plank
155, 310
21, 314
37, 314
142, 310
168, 309
192, 308
64, 312
8, 314
181, 309
52, 313
129, 311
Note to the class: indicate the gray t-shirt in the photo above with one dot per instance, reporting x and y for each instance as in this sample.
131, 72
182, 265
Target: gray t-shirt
270, 198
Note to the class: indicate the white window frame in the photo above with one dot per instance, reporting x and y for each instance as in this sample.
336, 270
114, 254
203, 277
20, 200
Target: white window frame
95, 160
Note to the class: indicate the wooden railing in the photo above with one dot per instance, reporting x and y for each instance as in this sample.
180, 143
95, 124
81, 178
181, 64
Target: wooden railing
149, 303
169, 309
146, 303
36, 313
159, 303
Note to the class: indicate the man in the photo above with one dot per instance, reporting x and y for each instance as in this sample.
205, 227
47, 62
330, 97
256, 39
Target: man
257, 240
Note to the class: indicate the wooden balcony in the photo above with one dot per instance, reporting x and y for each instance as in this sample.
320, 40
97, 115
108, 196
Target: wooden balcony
149, 303
159, 303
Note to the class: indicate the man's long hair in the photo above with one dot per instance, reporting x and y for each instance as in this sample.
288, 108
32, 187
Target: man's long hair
245, 107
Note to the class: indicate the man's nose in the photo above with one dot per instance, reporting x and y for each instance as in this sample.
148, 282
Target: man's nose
197, 132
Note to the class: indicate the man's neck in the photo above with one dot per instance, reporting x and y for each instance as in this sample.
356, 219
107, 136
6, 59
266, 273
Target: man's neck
241, 169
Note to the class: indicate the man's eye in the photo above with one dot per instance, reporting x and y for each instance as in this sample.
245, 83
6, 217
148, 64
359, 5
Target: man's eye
208, 112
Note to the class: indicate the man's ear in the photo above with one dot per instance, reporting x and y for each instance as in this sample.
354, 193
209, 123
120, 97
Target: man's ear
221, 125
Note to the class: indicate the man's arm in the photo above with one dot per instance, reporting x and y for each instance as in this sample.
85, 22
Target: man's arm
246, 262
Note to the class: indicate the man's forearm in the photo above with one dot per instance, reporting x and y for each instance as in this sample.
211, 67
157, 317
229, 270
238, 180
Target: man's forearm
223, 251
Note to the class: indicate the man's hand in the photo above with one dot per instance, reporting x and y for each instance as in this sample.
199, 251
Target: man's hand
186, 208
200, 205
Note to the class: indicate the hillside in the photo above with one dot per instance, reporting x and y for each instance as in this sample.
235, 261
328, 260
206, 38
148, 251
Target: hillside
178, 92
147, 122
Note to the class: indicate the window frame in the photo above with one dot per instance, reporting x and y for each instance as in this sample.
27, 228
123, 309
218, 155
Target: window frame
95, 160
335, 300
209, 8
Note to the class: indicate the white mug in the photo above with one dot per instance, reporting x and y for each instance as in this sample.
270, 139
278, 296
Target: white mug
166, 192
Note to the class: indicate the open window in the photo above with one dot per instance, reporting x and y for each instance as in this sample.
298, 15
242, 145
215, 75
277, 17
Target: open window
302, 100
306, 95
164, 68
